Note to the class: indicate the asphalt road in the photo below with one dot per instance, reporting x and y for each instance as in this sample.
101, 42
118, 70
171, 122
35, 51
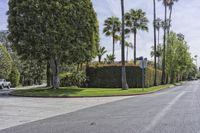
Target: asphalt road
176, 110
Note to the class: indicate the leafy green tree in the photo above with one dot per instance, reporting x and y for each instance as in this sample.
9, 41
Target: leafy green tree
112, 27
5, 62
4, 39
136, 20
179, 59
14, 77
61, 30
32, 72
100, 52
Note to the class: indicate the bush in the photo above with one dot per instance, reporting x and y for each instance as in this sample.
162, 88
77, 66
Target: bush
5, 62
109, 76
14, 77
73, 79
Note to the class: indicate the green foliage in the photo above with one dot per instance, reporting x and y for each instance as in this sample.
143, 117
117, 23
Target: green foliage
59, 31
136, 20
179, 61
14, 77
110, 76
109, 59
112, 28
32, 72
100, 52
5, 62
73, 78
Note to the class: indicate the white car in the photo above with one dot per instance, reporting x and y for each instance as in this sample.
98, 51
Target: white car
4, 84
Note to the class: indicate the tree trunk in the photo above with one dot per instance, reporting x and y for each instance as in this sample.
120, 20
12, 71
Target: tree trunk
155, 47
164, 50
135, 60
113, 44
55, 61
99, 58
170, 18
48, 73
127, 54
124, 81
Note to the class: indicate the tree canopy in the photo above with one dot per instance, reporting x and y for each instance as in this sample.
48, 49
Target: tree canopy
56, 30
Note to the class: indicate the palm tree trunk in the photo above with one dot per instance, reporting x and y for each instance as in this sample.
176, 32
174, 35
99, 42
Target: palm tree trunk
158, 44
113, 44
155, 47
164, 50
127, 54
135, 36
99, 58
170, 18
124, 81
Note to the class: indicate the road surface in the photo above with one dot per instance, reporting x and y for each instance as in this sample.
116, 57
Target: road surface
176, 110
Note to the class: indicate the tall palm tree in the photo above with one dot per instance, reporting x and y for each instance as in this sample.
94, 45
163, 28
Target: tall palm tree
128, 45
170, 4
164, 42
124, 81
112, 27
158, 25
154, 25
166, 27
100, 52
136, 20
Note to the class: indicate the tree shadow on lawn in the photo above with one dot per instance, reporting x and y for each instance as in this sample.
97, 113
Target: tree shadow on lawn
48, 92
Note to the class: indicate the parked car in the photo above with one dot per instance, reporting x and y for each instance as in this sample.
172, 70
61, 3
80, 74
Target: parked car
4, 84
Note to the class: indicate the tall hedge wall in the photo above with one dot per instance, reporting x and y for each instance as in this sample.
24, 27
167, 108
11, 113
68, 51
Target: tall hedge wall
110, 76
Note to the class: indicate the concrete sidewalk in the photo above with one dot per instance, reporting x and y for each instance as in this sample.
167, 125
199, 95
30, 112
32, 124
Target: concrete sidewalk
19, 110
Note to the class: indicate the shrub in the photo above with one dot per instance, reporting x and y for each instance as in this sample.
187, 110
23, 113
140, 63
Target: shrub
72, 79
14, 77
5, 62
109, 76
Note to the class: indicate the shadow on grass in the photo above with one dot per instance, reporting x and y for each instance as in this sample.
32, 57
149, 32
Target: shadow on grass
47, 92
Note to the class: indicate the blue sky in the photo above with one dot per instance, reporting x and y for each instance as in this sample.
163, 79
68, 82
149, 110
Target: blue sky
186, 20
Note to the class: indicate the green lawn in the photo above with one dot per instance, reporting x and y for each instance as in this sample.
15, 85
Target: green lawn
85, 92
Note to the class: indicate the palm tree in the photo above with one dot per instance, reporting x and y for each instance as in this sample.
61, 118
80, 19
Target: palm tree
128, 45
100, 52
158, 54
154, 25
166, 26
136, 20
170, 4
112, 27
158, 25
164, 42
124, 81
109, 58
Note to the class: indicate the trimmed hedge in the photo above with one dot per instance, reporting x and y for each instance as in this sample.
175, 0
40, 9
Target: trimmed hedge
109, 76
